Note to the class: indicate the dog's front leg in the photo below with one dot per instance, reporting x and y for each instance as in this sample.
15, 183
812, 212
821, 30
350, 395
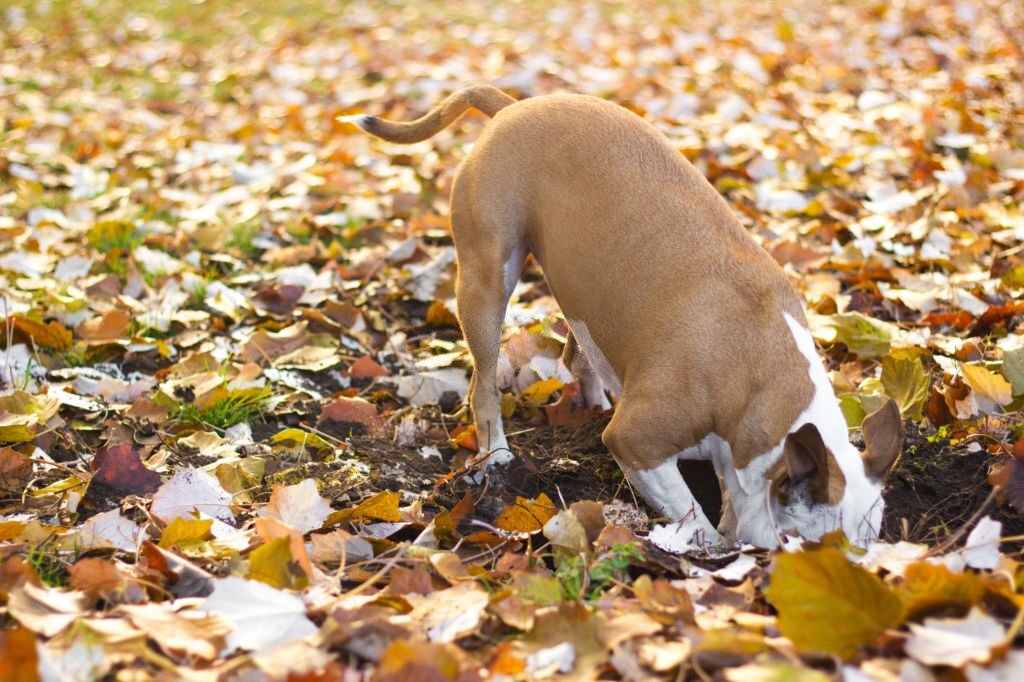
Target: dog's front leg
664, 488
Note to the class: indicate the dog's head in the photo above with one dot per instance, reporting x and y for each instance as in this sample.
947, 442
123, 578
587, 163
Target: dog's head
814, 490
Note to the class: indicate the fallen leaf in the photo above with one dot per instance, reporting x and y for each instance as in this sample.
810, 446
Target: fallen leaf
18, 659
107, 328
423, 662
191, 490
180, 632
526, 516
774, 672
906, 382
350, 411
44, 610
826, 604
990, 388
933, 588
382, 506
121, 468
982, 547
955, 641
110, 529
260, 616
366, 367
97, 578
299, 506
448, 615
663, 601
184, 532
15, 471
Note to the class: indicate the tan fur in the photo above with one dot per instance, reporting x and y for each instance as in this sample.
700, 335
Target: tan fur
483, 98
635, 243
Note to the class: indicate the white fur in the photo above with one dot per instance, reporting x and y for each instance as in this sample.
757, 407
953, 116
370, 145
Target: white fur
759, 519
358, 120
664, 488
859, 513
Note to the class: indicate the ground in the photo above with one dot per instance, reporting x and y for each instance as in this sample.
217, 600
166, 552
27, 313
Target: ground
233, 436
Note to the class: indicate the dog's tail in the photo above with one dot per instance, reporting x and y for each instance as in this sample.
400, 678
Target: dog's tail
485, 98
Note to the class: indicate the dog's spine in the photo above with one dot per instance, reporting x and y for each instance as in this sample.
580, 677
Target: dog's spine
484, 98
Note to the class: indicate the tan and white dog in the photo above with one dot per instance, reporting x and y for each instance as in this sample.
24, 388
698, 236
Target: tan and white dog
677, 312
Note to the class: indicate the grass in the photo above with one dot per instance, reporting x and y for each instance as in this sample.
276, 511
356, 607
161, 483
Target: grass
245, 405
242, 236
610, 568
51, 569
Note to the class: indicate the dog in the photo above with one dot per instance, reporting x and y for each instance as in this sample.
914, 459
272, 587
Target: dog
673, 309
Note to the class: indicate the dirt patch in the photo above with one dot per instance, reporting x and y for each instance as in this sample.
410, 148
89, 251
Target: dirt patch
936, 488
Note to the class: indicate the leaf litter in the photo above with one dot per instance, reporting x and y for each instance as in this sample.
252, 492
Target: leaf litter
232, 443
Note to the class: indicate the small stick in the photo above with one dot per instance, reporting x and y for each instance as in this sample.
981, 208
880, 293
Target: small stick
948, 543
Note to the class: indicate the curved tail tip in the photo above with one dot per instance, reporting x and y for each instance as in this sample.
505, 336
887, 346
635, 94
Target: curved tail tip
361, 121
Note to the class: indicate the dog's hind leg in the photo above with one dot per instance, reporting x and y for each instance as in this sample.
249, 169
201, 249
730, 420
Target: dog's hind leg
489, 268
590, 383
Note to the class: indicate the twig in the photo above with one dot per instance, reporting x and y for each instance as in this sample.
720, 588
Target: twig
948, 543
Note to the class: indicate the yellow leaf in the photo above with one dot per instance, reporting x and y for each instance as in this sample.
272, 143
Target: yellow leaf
183, 532
929, 589
826, 604
906, 382
301, 438
272, 563
540, 392
863, 335
382, 506
526, 516
988, 384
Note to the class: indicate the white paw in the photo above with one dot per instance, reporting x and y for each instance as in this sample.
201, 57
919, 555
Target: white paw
683, 536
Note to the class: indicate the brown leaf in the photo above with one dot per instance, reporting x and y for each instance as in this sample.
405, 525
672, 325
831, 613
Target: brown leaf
97, 578
112, 326
19, 661
14, 572
663, 601
121, 468
15, 471
404, 661
1008, 474
366, 367
410, 581
185, 632
279, 300
350, 411
46, 334
570, 411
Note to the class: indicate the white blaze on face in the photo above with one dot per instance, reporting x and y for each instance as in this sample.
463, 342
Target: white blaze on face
859, 513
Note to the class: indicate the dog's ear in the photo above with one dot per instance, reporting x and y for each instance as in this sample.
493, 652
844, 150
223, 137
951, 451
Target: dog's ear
803, 453
883, 439
807, 460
